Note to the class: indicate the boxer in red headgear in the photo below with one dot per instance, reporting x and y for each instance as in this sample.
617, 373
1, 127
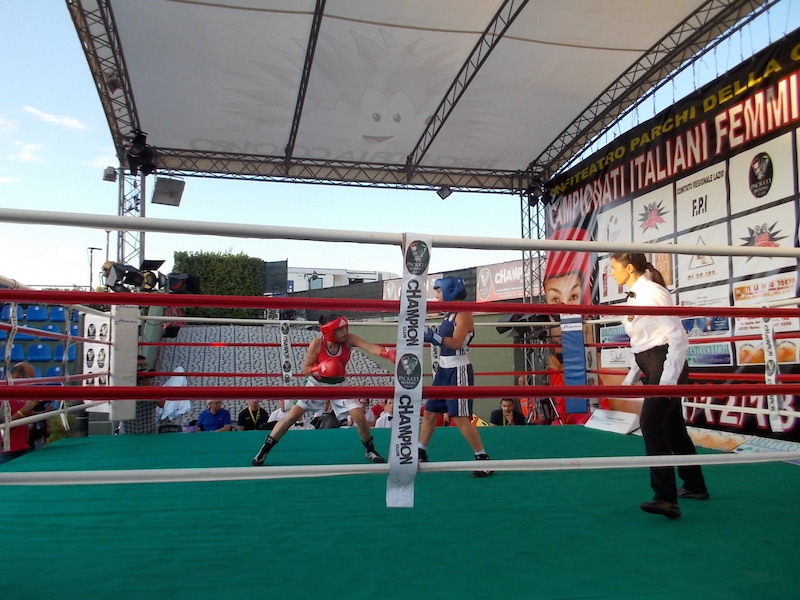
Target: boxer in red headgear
326, 364
566, 281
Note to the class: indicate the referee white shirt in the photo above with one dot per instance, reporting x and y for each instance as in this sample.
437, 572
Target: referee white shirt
649, 331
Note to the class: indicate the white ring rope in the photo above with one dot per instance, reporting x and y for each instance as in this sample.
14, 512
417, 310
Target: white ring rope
294, 472
244, 230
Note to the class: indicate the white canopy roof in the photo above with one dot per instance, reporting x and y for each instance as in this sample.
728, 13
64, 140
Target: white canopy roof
475, 94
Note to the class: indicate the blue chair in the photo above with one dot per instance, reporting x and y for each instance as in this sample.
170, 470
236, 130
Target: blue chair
17, 353
74, 330
53, 372
71, 353
36, 313
3, 334
39, 353
76, 315
52, 328
24, 337
5, 313
37, 372
58, 314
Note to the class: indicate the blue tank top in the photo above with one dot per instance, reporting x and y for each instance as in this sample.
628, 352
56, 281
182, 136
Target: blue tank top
446, 329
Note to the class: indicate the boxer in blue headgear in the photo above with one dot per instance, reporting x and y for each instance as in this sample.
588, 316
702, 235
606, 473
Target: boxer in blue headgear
453, 337
452, 288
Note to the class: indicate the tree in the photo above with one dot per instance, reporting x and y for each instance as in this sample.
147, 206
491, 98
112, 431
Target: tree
223, 274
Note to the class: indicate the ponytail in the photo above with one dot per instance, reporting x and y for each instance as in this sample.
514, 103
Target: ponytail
641, 265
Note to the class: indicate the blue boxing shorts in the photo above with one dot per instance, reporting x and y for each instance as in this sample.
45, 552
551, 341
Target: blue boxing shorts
462, 375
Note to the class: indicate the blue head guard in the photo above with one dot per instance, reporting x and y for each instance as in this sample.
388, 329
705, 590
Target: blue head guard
453, 288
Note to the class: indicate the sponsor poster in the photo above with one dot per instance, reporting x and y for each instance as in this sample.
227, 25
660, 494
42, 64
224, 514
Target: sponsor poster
503, 281
718, 168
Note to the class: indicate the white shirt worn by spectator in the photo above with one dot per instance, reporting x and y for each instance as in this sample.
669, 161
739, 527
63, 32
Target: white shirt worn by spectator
384, 420
649, 331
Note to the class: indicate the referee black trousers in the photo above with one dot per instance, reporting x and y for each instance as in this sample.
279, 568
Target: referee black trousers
664, 430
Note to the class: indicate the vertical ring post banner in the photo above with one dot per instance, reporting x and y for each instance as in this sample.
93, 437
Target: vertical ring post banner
771, 375
287, 357
403, 450
574, 350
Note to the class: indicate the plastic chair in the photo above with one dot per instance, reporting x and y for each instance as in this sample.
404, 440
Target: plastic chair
5, 313
53, 372
3, 334
76, 315
24, 337
74, 330
58, 356
36, 313
17, 353
37, 372
58, 314
52, 328
39, 353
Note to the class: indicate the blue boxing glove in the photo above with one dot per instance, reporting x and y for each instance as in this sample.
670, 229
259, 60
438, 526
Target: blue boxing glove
431, 337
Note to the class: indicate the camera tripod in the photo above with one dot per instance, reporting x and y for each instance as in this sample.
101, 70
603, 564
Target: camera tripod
543, 413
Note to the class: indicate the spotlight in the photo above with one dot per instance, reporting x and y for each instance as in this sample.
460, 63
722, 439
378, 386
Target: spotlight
110, 174
118, 276
152, 279
167, 191
140, 155
183, 283
444, 191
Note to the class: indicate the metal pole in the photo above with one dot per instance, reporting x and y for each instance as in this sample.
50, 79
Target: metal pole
91, 267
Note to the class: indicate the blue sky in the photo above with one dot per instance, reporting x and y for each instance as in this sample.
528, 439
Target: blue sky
54, 145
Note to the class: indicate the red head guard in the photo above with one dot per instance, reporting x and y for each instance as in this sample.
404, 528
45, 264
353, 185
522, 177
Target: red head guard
328, 328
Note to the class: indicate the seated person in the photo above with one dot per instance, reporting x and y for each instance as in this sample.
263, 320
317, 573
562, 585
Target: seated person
507, 414
385, 418
253, 417
214, 418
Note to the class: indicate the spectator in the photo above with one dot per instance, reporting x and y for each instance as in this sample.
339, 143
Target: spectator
214, 418
144, 420
253, 417
280, 412
385, 418
507, 414
19, 409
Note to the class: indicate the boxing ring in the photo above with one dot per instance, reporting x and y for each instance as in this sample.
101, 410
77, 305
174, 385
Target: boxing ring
147, 514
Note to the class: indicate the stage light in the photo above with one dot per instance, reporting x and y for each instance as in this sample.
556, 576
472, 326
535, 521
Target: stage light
118, 277
444, 191
110, 174
183, 283
140, 155
167, 191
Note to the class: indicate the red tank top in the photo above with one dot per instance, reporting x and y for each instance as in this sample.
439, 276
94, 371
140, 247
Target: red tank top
342, 355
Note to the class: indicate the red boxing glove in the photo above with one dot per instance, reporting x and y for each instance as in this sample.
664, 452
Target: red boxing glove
328, 368
389, 353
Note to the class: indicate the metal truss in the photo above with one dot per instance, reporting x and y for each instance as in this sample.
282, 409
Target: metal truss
689, 39
251, 167
301, 93
502, 20
97, 32
130, 244
533, 227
